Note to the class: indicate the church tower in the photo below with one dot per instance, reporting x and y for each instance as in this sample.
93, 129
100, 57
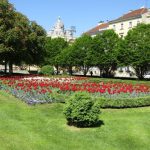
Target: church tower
59, 31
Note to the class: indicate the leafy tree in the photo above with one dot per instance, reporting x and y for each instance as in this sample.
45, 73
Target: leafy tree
53, 49
66, 58
135, 50
104, 47
6, 23
97, 52
16, 38
16, 32
109, 46
36, 44
81, 50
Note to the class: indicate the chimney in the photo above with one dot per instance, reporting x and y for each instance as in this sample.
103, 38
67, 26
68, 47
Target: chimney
100, 22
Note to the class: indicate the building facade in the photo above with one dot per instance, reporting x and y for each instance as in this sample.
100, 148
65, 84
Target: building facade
124, 23
59, 31
130, 20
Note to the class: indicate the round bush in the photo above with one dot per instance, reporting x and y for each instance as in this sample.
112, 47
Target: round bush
47, 70
82, 111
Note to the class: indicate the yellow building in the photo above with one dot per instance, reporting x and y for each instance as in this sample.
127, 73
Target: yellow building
124, 23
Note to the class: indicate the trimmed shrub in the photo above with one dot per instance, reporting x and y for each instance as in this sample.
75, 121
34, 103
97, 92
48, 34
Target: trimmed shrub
47, 70
124, 102
82, 111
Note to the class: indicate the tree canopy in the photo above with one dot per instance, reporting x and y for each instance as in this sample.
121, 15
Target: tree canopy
135, 50
54, 47
104, 49
20, 39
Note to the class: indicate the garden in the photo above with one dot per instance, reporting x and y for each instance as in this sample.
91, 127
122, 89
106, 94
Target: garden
110, 94
39, 112
29, 125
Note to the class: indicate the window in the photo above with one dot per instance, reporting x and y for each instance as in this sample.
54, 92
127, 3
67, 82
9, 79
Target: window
130, 24
121, 26
148, 15
120, 69
138, 22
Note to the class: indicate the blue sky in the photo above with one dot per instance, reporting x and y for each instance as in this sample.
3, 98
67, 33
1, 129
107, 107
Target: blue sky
83, 14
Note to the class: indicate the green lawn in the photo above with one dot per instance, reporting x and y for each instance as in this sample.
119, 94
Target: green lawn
43, 127
114, 80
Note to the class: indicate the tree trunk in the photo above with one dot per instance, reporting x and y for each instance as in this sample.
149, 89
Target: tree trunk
100, 71
70, 70
57, 69
29, 68
10, 67
5, 71
106, 72
85, 70
139, 72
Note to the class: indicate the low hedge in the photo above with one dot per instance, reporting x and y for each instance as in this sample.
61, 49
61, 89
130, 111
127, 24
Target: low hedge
124, 103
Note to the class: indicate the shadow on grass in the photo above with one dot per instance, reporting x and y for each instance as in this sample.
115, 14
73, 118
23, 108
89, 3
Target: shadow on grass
83, 125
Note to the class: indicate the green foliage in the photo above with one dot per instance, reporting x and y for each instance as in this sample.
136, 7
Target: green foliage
99, 51
105, 52
21, 39
80, 52
134, 50
58, 97
124, 102
35, 44
82, 111
53, 49
47, 70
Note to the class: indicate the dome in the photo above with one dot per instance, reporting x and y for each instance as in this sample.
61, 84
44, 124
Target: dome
59, 24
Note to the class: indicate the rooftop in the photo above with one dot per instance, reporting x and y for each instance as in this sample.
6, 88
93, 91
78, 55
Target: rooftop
130, 15
97, 29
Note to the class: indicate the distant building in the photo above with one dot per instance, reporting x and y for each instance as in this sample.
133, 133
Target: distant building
60, 31
130, 20
124, 23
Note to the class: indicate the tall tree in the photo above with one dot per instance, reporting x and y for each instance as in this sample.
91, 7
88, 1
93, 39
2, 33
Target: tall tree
97, 52
19, 37
135, 50
16, 38
35, 44
67, 58
81, 50
53, 49
7, 15
107, 49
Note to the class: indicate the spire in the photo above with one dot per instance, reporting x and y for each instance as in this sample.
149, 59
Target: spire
59, 24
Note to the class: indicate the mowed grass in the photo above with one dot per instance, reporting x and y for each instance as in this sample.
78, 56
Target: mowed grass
114, 80
43, 127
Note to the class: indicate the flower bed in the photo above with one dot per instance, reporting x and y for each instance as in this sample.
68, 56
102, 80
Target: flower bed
35, 89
